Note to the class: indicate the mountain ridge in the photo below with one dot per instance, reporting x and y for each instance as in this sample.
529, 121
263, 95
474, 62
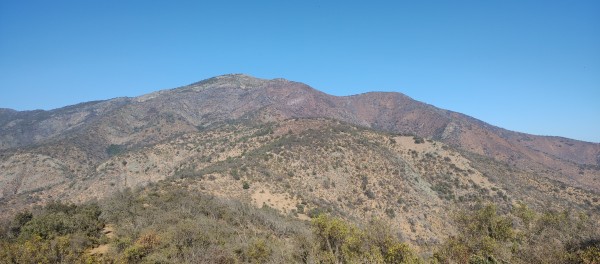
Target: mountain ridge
245, 76
287, 146
137, 121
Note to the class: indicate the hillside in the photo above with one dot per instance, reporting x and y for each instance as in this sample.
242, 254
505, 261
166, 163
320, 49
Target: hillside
272, 178
285, 146
137, 122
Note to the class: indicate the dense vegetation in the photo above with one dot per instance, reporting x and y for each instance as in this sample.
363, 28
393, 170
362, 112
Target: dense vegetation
167, 223
58, 233
521, 236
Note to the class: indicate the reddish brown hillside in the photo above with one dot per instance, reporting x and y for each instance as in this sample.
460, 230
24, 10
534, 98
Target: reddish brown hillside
152, 118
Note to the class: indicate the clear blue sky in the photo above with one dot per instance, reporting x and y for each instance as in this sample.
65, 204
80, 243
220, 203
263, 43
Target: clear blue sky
530, 66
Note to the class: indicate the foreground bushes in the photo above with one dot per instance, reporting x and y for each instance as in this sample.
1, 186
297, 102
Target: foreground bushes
521, 236
166, 223
58, 233
171, 225
341, 242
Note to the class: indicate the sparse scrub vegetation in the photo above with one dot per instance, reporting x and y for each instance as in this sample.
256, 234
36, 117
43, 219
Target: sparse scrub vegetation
165, 223
342, 177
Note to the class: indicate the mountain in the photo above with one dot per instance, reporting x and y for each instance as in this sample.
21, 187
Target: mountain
136, 122
287, 146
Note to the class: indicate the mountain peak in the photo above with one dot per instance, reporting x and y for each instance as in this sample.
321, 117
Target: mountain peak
236, 77
236, 80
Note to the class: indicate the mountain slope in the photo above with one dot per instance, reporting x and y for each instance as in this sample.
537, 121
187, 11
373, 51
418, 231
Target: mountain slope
149, 119
285, 146
313, 164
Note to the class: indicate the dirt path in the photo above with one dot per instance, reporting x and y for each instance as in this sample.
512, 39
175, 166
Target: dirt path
109, 231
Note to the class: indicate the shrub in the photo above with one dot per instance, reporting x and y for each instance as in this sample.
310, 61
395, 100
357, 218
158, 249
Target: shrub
114, 150
258, 251
61, 219
342, 242
418, 140
59, 233
235, 175
300, 208
18, 222
390, 213
370, 194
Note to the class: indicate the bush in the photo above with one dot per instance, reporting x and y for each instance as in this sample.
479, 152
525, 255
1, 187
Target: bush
114, 150
390, 213
418, 140
369, 194
487, 236
235, 175
342, 242
18, 222
169, 224
60, 219
300, 208
258, 251
59, 233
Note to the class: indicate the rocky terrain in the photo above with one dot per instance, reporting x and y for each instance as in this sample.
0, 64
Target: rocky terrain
287, 146
135, 122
